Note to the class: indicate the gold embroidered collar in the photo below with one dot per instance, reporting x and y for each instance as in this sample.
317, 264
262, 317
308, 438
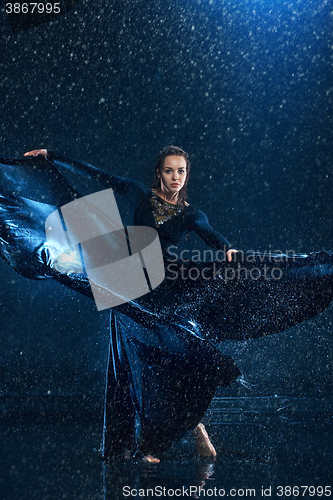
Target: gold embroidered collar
163, 210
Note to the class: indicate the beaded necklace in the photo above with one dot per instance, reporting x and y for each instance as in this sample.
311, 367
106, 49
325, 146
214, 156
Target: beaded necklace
162, 209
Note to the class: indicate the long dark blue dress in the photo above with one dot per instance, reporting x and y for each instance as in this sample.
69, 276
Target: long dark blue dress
164, 366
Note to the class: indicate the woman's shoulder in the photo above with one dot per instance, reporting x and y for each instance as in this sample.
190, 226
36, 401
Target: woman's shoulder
190, 209
192, 212
195, 217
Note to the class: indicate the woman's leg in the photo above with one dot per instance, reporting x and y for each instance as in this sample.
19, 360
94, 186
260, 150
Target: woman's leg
203, 443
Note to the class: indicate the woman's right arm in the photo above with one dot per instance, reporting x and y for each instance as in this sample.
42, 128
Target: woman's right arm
127, 187
211, 237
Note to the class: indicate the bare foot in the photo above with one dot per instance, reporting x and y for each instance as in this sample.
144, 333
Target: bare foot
151, 459
203, 443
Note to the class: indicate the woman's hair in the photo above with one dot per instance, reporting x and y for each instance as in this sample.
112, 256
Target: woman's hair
172, 151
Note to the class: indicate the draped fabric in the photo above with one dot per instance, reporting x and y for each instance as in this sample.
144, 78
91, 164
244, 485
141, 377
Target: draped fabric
161, 380
164, 365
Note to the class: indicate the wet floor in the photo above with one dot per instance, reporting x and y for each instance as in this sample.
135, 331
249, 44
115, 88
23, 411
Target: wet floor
261, 443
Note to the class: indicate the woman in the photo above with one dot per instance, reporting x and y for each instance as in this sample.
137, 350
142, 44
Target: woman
163, 369
165, 201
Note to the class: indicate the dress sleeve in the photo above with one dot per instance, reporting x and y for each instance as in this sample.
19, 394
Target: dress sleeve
203, 229
129, 188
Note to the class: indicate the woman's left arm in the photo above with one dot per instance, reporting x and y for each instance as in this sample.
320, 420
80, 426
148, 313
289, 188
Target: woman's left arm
210, 236
129, 188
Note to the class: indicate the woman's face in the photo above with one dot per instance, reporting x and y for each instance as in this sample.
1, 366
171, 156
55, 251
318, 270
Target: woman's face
173, 174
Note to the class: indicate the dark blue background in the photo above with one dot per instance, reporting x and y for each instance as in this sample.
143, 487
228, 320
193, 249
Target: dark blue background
245, 87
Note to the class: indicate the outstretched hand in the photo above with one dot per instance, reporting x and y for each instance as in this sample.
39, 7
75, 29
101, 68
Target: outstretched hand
36, 152
230, 254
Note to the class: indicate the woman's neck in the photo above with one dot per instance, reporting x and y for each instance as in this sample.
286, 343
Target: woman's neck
167, 195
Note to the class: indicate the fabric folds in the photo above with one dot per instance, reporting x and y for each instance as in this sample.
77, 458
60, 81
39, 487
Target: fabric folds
164, 363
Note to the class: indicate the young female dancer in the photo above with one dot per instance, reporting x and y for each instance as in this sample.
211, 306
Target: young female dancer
163, 367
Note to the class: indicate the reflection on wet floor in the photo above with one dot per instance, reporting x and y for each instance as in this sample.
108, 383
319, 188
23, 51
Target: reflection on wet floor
260, 444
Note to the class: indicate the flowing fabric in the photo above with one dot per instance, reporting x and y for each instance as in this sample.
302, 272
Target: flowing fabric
164, 366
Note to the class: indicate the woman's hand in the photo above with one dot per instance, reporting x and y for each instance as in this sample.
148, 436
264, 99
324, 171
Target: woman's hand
230, 254
36, 152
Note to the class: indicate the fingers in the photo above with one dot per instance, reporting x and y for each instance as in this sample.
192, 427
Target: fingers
36, 152
230, 254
